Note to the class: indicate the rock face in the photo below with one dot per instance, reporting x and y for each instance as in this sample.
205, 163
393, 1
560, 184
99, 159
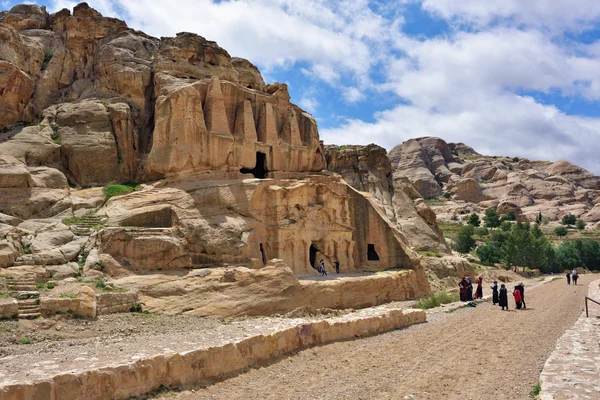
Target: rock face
368, 169
231, 172
475, 182
146, 107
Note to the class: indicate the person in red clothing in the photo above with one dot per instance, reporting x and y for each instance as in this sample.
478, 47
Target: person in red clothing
517, 295
479, 291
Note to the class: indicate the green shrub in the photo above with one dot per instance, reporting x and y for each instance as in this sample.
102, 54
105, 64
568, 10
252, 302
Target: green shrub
509, 216
101, 285
50, 285
535, 391
580, 224
437, 299
68, 296
464, 239
119, 189
491, 218
561, 231
568, 219
27, 340
48, 54
474, 220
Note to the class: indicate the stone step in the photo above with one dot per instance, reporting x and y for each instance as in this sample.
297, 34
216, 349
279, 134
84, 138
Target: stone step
28, 302
20, 263
29, 316
29, 308
23, 281
21, 288
22, 295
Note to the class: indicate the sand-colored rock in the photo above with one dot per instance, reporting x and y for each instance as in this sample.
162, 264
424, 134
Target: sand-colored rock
87, 302
26, 16
524, 186
9, 308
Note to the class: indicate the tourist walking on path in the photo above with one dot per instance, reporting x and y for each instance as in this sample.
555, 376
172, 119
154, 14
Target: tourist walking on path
568, 278
495, 293
574, 275
521, 288
503, 297
322, 267
517, 296
463, 289
479, 291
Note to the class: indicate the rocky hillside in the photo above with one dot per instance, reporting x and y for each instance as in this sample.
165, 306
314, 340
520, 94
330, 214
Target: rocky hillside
473, 182
124, 155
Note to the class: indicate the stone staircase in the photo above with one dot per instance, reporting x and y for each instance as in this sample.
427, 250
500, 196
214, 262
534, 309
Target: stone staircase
87, 224
25, 259
24, 290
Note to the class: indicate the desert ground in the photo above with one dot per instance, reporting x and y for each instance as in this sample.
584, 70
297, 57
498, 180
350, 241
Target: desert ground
472, 353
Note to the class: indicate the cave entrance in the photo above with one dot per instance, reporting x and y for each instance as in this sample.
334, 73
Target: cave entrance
260, 170
313, 256
371, 253
262, 254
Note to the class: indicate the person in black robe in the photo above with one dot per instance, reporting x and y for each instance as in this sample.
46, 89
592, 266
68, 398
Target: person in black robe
462, 285
469, 296
337, 267
568, 278
495, 293
521, 288
503, 297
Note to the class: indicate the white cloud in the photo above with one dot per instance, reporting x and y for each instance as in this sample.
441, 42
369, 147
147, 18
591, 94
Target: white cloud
310, 104
573, 15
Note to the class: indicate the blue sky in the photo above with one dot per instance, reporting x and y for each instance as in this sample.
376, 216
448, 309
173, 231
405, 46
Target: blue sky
508, 77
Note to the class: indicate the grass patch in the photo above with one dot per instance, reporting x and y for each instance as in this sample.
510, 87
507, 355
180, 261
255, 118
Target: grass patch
430, 253
68, 296
535, 391
8, 326
437, 299
48, 54
6, 276
27, 340
5, 294
55, 135
119, 189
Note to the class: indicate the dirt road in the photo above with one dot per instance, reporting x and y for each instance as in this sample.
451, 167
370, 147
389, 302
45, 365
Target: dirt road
479, 353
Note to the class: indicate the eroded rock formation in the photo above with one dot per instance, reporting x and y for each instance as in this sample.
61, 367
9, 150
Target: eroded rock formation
476, 182
231, 171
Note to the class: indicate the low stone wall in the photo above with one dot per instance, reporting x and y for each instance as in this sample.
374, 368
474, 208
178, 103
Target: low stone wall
50, 306
571, 371
112, 303
9, 308
145, 375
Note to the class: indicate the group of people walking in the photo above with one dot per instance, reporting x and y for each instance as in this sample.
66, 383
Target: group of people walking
500, 296
466, 289
322, 268
573, 275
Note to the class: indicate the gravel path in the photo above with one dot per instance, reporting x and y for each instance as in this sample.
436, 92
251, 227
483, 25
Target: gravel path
479, 353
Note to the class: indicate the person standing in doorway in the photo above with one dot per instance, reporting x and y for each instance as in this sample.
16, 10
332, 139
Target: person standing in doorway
568, 278
337, 267
322, 268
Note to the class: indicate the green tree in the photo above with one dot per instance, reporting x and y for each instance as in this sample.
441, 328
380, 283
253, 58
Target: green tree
567, 256
506, 226
516, 245
481, 231
491, 218
490, 254
474, 220
561, 231
568, 219
498, 236
589, 252
580, 224
464, 239
509, 216
539, 219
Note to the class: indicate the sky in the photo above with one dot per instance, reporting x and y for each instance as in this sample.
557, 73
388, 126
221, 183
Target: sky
507, 77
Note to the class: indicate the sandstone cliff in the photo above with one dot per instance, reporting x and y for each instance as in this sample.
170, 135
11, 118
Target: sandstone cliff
230, 169
475, 182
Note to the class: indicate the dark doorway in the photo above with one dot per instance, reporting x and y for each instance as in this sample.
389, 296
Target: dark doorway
313, 256
371, 253
260, 170
262, 254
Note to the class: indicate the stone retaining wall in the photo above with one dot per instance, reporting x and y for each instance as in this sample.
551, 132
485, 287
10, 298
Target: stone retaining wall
112, 303
50, 306
9, 308
145, 375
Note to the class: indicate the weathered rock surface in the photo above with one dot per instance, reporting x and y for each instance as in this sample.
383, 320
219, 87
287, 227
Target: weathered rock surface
476, 182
